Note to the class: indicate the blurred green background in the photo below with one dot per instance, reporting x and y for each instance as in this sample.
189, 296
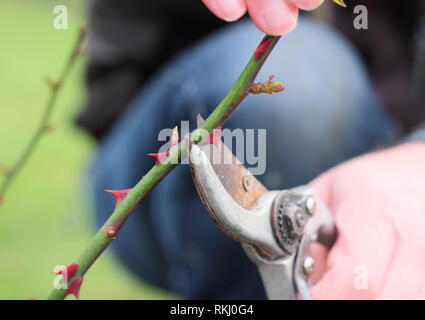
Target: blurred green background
45, 220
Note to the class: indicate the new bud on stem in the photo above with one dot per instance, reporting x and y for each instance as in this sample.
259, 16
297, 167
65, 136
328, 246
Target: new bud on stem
111, 232
269, 86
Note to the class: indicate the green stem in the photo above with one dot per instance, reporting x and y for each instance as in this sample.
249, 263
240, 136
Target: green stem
234, 97
43, 125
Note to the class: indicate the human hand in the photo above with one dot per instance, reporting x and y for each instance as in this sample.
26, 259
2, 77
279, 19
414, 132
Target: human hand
378, 202
274, 17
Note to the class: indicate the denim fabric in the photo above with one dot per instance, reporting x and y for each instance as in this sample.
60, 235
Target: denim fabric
327, 114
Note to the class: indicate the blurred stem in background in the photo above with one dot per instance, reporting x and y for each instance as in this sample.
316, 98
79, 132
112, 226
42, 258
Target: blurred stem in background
43, 126
46, 217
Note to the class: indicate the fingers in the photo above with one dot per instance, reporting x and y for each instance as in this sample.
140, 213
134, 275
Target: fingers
307, 4
404, 279
357, 264
228, 10
274, 17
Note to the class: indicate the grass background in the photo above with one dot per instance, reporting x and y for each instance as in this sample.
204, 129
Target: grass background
44, 220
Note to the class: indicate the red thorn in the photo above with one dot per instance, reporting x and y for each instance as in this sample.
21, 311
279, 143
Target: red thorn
32, 298
70, 270
119, 195
74, 288
261, 49
111, 232
215, 136
159, 157
175, 137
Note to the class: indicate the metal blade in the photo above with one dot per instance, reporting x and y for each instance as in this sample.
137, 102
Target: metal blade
238, 181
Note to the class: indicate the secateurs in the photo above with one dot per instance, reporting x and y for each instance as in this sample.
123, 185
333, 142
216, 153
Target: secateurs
275, 228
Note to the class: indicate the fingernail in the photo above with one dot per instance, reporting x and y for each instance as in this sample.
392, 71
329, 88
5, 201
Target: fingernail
307, 4
279, 17
230, 10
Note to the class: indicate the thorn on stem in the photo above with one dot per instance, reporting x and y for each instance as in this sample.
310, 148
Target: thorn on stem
119, 195
52, 84
74, 288
70, 270
159, 157
48, 128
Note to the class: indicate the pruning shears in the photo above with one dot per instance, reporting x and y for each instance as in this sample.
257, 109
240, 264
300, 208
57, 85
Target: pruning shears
275, 228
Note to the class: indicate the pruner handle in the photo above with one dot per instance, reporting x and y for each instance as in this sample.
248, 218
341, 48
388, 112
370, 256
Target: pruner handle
298, 218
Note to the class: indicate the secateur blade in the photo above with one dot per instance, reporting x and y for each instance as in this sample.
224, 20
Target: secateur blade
233, 197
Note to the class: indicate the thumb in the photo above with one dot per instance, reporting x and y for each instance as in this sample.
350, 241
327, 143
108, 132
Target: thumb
228, 10
354, 268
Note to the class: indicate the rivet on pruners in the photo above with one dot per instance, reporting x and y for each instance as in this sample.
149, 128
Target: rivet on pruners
246, 183
308, 266
310, 205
